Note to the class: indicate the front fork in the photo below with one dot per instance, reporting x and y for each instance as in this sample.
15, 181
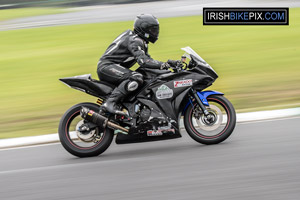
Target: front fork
194, 94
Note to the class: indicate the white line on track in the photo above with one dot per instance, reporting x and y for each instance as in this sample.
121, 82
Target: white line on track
30, 146
240, 123
54, 167
268, 120
254, 117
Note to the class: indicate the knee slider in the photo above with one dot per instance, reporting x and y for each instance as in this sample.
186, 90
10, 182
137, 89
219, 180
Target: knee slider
132, 86
136, 77
135, 80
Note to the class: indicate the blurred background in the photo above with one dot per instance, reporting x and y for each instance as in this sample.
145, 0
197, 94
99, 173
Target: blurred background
42, 41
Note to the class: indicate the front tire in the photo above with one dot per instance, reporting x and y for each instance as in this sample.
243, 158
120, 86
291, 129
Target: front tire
205, 132
72, 143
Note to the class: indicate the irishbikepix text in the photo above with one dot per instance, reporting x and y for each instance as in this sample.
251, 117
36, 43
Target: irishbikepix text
245, 16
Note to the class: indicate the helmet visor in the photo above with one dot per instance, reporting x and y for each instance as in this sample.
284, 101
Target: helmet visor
154, 31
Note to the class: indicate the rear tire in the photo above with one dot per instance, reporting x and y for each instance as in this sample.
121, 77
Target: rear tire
71, 144
220, 130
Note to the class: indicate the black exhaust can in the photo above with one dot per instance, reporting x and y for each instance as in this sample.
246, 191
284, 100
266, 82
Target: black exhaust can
99, 120
93, 117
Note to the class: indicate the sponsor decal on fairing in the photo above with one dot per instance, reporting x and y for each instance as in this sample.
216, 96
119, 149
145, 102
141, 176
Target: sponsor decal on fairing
159, 132
164, 92
183, 83
154, 133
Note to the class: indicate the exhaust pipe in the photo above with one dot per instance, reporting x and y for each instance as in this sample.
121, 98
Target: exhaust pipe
100, 120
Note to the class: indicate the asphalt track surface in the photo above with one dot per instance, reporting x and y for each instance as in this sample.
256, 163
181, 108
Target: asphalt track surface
124, 12
259, 161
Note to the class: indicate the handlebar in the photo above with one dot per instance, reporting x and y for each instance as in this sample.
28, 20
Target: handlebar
180, 67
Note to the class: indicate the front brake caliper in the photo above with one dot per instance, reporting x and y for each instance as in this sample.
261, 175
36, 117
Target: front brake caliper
197, 112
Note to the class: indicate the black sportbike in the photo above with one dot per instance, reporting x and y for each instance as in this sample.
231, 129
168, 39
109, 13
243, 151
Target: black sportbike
154, 112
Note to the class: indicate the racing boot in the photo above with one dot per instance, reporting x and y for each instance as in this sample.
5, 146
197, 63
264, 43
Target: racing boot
111, 103
119, 93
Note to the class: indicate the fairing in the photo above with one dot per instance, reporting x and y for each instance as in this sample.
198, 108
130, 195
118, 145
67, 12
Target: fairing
168, 92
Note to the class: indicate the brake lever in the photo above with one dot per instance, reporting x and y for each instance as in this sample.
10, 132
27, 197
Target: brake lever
186, 66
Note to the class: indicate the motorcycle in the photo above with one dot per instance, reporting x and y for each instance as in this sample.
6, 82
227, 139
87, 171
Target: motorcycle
153, 112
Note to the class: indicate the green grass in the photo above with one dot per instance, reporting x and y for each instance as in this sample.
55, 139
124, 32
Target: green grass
28, 12
258, 66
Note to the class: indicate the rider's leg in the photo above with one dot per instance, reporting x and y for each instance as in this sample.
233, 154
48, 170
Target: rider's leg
129, 82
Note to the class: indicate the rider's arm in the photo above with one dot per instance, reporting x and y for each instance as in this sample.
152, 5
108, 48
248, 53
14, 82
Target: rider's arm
136, 47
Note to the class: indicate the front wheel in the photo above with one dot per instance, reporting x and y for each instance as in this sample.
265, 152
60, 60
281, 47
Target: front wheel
83, 143
215, 130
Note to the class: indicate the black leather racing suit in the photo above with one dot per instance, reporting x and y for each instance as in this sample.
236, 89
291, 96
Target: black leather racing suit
127, 49
113, 67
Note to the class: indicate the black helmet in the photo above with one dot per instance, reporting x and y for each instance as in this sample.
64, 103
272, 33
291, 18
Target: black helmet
147, 27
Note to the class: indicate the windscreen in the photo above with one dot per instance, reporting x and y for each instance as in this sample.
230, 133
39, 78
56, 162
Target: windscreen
189, 51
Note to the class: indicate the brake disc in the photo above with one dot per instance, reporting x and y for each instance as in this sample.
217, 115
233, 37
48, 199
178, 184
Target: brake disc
205, 125
84, 133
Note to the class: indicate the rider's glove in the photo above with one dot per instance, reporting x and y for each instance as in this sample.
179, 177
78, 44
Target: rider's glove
174, 63
165, 66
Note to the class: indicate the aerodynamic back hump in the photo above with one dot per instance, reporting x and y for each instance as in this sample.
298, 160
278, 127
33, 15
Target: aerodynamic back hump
86, 84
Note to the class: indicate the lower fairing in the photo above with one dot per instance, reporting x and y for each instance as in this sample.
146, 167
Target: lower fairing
137, 138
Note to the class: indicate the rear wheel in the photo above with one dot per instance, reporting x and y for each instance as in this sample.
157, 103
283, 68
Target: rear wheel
91, 142
214, 130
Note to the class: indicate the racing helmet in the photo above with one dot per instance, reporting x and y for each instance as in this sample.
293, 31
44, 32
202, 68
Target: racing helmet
147, 27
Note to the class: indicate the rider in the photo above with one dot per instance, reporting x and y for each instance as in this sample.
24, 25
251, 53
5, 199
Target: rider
127, 49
